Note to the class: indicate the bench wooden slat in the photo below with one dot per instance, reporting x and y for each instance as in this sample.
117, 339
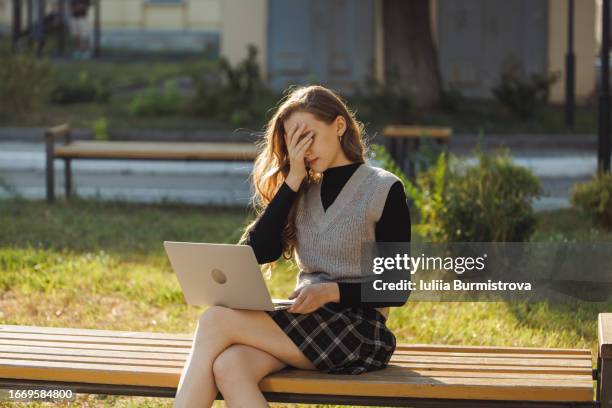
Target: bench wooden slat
494, 368
91, 346
94, 339
158, 150
492, 349
34, 351
433, 387
401, 347
397, 356
393, 370
7, 328
491, 355
497, 361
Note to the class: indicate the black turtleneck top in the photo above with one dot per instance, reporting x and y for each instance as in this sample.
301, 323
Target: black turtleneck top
393, 226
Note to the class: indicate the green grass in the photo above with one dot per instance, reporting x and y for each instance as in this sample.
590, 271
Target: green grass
568, 226
91, 264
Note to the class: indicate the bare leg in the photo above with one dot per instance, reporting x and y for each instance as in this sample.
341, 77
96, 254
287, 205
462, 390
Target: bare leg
238, 371
220, 327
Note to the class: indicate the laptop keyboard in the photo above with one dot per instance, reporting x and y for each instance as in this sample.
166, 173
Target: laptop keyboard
280, 304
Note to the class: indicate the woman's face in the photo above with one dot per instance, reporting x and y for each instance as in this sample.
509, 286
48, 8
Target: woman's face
325, 150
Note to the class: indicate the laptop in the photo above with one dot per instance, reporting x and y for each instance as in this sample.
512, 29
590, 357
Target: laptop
221, 274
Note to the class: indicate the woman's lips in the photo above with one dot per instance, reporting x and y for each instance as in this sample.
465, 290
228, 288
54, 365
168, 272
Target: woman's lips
309, 162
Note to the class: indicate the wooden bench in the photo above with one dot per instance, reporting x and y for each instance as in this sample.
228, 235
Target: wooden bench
120, 150
419, 375
404, 141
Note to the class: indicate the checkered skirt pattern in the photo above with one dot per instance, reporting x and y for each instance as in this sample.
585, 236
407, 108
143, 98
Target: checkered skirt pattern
340, 340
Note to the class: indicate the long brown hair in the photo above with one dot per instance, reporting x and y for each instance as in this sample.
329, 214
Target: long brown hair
271, 166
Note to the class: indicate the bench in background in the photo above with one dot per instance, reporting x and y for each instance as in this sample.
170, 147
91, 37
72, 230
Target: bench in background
124, 150
403, 143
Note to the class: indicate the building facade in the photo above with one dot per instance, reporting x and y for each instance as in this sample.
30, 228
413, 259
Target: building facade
340, 42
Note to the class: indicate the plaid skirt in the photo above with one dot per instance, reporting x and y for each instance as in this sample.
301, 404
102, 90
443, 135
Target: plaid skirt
338, 339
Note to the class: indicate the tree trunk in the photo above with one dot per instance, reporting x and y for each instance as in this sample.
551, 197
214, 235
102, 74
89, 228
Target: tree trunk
410, 54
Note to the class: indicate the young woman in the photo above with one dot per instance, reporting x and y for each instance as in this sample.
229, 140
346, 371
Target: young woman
316, 198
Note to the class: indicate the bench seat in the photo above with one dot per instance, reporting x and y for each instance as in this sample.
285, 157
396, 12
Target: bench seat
143, 363
71, 150
157, 150
415, 132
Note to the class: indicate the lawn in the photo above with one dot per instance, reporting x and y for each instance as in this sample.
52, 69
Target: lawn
91, 264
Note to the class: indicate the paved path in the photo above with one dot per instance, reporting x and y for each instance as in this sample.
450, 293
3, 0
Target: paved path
22, 166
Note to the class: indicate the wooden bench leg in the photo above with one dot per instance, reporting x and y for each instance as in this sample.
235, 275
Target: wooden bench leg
50, 170
604, 383
68, 177
604, 361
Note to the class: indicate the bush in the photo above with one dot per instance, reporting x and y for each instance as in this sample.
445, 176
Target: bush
451, 99
521, 95
595, 199
154, 101
25, 82
486, 202
84, 89
100, 129
231, 93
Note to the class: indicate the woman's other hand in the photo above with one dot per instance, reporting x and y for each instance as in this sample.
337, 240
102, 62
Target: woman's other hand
296, 148
311, 297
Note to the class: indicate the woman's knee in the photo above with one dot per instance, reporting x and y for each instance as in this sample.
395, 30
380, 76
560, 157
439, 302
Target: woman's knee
215, 319
230, 367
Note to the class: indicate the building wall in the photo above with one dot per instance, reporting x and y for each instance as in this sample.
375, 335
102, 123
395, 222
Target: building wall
585, 47
181, 25
187, 25
244, 23
137, 14
321, 41
6, 13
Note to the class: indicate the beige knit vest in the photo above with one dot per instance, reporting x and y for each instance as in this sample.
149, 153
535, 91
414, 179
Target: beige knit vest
328, 247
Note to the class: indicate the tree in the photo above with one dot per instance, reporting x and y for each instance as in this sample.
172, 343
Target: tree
410, 54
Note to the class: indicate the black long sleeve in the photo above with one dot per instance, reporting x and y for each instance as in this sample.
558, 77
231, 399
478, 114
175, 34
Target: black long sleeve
265, 236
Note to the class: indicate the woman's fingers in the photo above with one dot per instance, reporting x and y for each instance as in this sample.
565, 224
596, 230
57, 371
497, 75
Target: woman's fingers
297, 130
296, 154
303, 144
297, 305
295, 293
